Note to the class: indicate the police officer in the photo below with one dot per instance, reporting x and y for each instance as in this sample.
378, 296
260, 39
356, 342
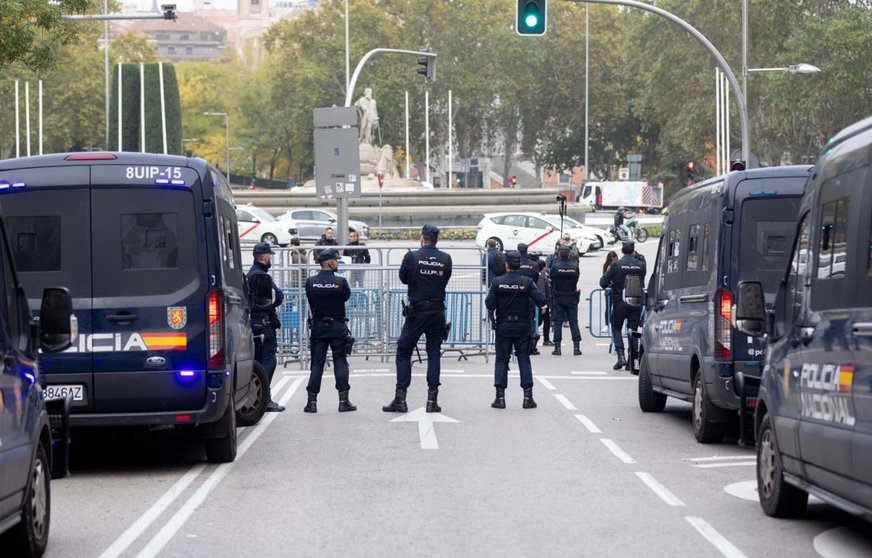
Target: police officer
530, 268
493, 262
510, 297
564, 294
327, 295
630, 264
264, 322
426, 272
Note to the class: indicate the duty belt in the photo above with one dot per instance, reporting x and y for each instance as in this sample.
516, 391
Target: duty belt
513, 318
427, 306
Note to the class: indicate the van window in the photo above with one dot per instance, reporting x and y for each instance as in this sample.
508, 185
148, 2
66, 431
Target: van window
706, 247
674, 251
17, 334
796, 278
833, 245
149, 241
693, 248
767, 229
36, 242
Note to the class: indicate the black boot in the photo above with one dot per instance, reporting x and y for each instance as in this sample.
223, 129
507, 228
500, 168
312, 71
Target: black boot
528, 399
576, 350
533, 343
622, 360
432, 404
312, 404
398, 405
556, 350
500, 400
344, 404
547, 342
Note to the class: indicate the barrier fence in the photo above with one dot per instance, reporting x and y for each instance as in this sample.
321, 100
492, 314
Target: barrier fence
374, 310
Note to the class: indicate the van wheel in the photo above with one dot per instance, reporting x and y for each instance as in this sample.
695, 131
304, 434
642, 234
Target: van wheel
499, 242
223, 449
641, 234
255, 406
649, 400
30, 536
777, 498
270, 238
704, 429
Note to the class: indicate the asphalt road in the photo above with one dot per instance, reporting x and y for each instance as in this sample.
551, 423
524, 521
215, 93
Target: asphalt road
585, 474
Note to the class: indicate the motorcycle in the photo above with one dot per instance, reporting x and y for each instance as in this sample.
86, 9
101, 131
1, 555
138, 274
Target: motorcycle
635, 232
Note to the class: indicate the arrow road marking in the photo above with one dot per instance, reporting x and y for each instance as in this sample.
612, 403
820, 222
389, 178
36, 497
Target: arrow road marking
425, 421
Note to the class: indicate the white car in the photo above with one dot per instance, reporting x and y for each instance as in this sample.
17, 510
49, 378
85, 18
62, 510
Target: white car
511, 229
569, 223
311, 222
258, 225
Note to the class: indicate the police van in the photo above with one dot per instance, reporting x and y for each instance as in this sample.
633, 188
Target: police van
148, 246
730, 228
814, 416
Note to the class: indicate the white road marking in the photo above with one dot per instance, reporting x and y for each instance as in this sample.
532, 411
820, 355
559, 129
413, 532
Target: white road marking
589, 373
659, 489
716, 539
548, 385
603, 344
150, 515
168, 531
363, 370
566, 402
591, 427
731, 464
450, 371
721, 458
617, 451
425, 420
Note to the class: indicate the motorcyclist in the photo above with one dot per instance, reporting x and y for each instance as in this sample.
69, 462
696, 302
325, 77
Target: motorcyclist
621, 229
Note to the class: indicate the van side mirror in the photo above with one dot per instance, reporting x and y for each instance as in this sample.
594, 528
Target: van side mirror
58, 326
263, 291
749, 312
633, 294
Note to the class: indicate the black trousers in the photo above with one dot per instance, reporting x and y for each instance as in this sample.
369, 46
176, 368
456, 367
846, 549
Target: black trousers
512, 335
433, 326
621, 312
324, 336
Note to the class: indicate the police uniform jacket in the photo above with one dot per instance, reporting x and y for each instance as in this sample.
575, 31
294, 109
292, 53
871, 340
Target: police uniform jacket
617, 273
564, 281
510, 296
494, 264
529, 268
327, 295
426, 271
260, 269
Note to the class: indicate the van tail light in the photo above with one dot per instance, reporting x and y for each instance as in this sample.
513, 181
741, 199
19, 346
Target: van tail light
215, 315
723, 328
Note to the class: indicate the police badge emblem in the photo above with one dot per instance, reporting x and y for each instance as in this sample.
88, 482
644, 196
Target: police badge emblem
177, 317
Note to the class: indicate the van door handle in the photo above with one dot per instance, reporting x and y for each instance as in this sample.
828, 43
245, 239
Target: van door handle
234, 299
863, 329
693, 298
119, 318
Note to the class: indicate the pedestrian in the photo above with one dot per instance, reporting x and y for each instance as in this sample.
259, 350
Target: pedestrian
554, 257
298, 262
264, 322
530, 269
493, 262
544, 286
565, 296
327, 239
573, 249
509, 299
358, 256
327, 294
611, 257
426, 272
630, 264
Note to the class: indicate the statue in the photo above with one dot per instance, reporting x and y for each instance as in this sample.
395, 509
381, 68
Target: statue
387, 166
368, 112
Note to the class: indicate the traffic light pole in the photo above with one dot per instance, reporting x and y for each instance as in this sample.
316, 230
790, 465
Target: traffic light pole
342, 203
734, 84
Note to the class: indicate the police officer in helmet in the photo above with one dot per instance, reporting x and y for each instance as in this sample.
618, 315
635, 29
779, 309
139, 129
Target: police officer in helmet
426, 272
264, 322
630, 263
510, 297
564, 297
327, 295
530, 268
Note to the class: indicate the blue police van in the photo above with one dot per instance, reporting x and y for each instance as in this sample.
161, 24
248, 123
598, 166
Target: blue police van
814, 416
147, 245
730, 228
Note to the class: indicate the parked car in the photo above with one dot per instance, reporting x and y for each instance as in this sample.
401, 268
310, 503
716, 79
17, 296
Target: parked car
814, 412
532, 229
311, 222
730, 228
570, 223
259, 225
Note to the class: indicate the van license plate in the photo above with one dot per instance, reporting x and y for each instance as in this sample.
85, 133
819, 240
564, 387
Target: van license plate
60, 392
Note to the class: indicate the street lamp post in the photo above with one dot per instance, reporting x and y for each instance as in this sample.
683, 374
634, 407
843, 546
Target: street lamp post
226, 137
801, 68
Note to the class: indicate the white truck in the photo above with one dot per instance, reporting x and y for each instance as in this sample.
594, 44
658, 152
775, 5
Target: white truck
632, 195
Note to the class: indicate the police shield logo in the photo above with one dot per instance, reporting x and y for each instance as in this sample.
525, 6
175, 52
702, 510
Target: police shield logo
177, 317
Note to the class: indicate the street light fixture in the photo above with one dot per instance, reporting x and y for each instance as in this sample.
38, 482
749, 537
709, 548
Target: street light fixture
226, 137
801, 68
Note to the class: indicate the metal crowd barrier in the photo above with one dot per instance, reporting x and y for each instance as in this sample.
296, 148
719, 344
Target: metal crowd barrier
374, 310
599, 305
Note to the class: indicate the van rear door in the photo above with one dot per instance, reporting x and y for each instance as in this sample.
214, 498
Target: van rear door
149, 288
47, 220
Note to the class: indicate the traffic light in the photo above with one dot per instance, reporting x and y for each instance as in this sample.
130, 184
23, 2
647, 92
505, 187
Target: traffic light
514, 181
691, 175
531, 17
458, 179
428, 66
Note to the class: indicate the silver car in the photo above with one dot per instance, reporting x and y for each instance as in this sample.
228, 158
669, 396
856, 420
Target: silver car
311, 222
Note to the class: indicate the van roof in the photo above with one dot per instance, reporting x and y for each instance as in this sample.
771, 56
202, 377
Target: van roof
100, 158
851, 130
730, 180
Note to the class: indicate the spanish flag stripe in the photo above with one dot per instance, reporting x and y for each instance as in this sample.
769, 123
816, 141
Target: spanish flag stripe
165, 341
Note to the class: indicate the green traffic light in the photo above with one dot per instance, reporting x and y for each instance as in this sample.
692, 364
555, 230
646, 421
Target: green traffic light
531, 20
531, 17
